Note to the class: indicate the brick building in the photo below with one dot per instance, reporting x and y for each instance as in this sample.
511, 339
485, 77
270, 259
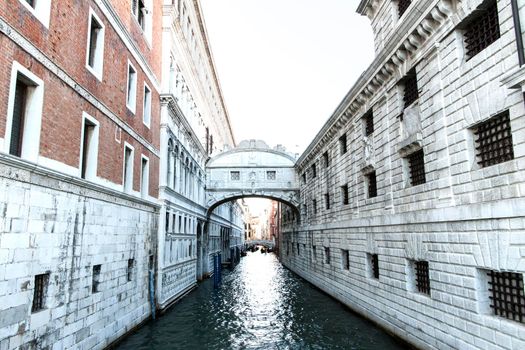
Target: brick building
413, 192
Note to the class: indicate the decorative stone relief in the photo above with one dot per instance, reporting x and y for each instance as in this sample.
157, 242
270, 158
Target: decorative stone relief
411, 134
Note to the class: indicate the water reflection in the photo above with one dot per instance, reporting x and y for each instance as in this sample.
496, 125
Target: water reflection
260, 305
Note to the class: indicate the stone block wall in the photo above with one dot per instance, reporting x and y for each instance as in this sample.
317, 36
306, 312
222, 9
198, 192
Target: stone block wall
60, 226
464, 220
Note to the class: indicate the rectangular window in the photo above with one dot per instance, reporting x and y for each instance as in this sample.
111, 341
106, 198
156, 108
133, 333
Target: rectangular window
131, 264
326, 159
410, 89
271, 175
314, 252
235, 175
327, 255
342, 144
131, 94
40, 291
416, 164
327, 200
89, 147
41, 9
314, 204
139, 11
507, 296
344, 194
422, 277
373, 261
24, 121
372, 184
298, 249
95, 284
368, 121
95, 45
167, 223
128, 169
144, 177
402, 6
18, 120
345, 260
494, 140
482, 28
304, 177
146, 113
314, 170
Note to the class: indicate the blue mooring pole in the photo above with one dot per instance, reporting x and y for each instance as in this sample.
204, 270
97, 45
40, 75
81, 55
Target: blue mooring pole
216, 271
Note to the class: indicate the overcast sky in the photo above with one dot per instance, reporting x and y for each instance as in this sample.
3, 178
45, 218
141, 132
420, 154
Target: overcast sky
284, 65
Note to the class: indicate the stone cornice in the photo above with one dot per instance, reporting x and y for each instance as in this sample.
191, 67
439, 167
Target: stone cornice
23, 171
423, 20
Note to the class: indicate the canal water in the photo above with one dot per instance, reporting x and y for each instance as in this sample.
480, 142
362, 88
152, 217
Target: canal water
260, 305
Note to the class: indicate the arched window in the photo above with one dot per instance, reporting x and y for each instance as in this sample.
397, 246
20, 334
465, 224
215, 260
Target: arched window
169, 162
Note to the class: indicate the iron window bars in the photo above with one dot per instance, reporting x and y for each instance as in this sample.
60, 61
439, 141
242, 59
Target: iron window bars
344, 192
374, 263
372, 184
482, 31
416, 162
507, 297
411, 93
422, 277
39, 293
402, 6
369, 123
494, 140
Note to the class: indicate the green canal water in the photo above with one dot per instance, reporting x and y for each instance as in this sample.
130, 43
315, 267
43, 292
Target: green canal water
260, 305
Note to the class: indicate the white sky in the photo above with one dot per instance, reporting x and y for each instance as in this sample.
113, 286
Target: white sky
284, 65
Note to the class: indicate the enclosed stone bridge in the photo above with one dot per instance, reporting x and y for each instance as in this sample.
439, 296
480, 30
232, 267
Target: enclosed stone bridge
252, 169
256, 242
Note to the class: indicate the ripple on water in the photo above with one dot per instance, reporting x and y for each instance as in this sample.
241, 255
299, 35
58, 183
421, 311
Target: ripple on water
260, 305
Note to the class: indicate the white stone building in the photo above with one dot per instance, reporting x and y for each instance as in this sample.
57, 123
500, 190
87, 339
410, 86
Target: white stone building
413, 193
194, 126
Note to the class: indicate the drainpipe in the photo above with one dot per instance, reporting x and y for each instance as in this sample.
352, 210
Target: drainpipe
517, 29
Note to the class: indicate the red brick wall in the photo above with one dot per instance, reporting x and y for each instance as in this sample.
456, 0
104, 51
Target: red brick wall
65, 44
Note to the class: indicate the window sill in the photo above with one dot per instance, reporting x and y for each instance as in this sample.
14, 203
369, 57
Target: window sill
91, 70
515, 79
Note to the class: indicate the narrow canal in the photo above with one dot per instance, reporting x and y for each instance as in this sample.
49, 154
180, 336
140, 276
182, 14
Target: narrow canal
260, 305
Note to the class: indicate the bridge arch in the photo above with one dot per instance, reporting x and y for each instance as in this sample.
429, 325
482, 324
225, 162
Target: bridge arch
252, 169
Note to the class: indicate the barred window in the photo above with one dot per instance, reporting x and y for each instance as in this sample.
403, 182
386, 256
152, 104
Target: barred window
304, 177
402, 6
326, 159
39, 293
131, 264
314, 204
422, 277
507, 297
271, 175
368, 120
235, 175
327, 255
95, 284
344, 194
494, 140
374, 265
327, 200
372, 184
416, 163
411, 92
314, 252
342, 144
314, 170
483, 30
345, 260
